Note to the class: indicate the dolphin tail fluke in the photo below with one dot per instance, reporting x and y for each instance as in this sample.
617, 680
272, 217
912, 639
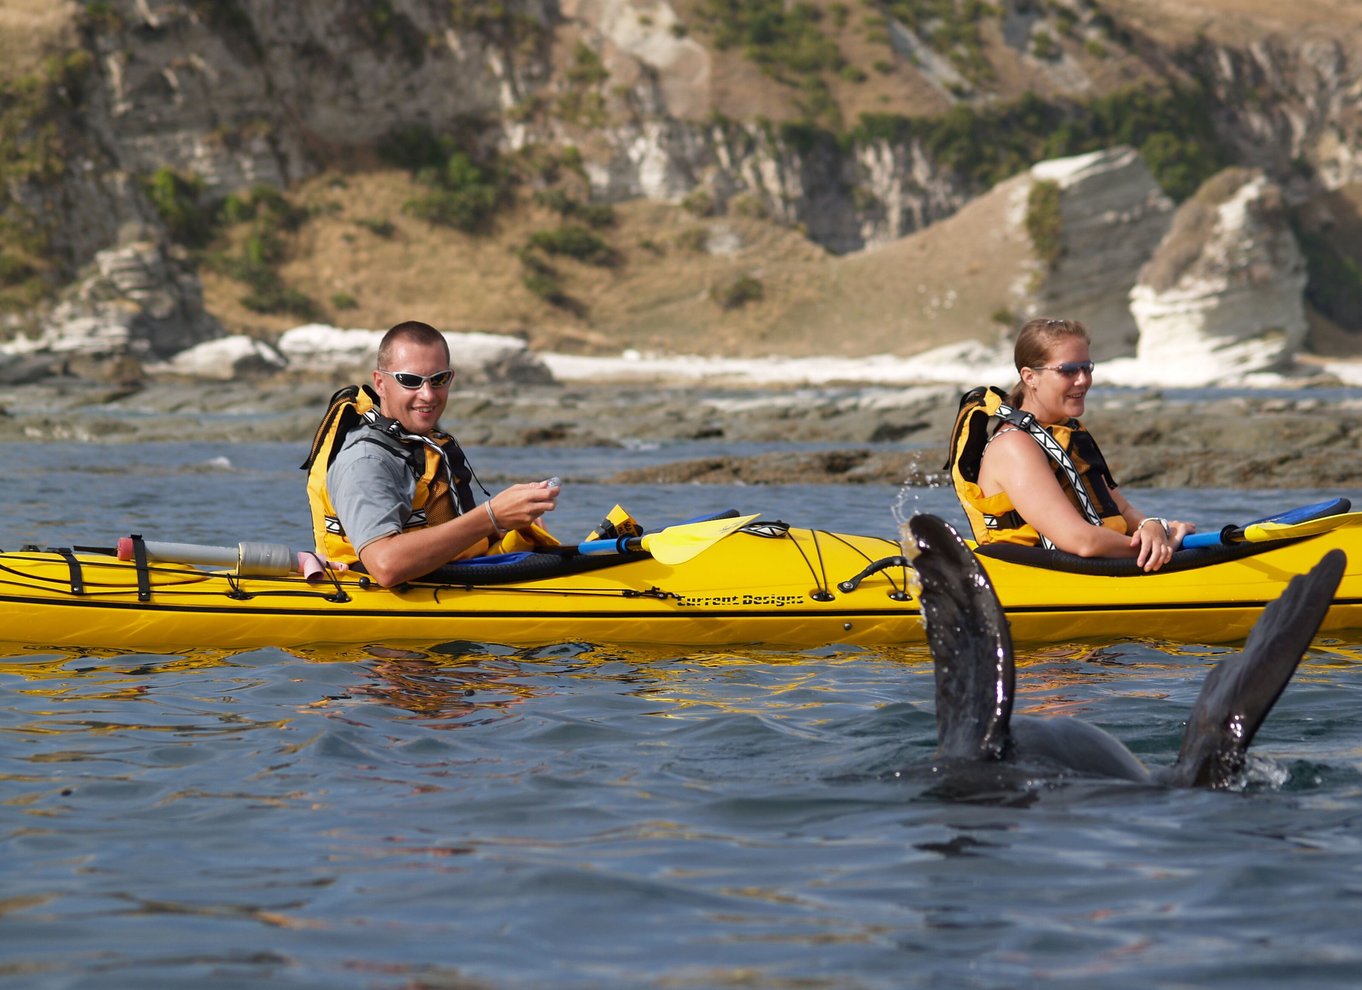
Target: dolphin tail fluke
969, 639
1242, 688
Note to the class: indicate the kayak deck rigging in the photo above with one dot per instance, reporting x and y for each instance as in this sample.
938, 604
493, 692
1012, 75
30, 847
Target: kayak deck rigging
510, 576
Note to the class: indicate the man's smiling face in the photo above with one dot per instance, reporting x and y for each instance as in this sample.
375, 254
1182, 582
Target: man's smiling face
419, 409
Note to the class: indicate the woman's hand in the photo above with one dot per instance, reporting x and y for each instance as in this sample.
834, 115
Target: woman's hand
1180, 531
1156, 539
1153, 540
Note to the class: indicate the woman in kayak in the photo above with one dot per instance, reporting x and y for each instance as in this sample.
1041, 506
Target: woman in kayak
1027, 472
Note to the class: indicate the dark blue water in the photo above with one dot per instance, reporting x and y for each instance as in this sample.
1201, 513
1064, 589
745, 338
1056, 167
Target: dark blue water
580, 816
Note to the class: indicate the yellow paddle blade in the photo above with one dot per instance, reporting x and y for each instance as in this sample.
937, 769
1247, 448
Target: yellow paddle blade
1265, 532
678, 544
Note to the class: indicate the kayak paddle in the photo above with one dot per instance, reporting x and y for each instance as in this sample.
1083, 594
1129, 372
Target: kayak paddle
675, 544
1305, 520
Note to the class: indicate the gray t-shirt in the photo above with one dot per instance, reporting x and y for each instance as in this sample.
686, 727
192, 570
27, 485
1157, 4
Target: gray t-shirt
371, 490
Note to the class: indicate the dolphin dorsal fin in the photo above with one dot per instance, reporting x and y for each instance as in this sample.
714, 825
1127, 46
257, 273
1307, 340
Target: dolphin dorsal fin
1242, 688
969, 639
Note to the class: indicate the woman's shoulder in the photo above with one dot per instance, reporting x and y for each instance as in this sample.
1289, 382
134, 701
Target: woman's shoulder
1011, 444
1009, 435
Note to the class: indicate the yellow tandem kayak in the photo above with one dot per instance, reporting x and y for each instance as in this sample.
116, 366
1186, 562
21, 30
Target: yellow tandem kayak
763, 584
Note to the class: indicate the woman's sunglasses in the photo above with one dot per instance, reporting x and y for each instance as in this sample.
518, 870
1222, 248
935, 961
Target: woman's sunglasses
413, 381
1070, 369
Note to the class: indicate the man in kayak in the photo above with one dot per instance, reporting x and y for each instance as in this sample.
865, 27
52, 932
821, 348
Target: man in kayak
392, 491
1027, 472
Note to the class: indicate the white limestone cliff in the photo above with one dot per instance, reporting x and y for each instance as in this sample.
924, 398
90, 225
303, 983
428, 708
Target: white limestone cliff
1222, 295
1112, 215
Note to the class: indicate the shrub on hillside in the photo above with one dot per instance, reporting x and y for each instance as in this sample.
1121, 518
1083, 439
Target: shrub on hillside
574, 241
270, 216
462, 192
597, 215
378, 227
542, 280
782, 38
583, 102
693, 239
463, 196
741, 291
178, 200
949, 27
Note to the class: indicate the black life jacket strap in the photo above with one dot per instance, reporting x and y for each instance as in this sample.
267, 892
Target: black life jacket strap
458, 471
1085, 446
1007, 520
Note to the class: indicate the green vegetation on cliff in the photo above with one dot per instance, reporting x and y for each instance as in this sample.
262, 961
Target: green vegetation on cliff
35, 146
465, 189
786, 40
1335, 281
179, 200
794, 44
1172, 130
1044, 223
262, 220
950, 28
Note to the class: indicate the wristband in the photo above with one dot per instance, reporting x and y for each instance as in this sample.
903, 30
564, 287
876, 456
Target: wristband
1167, 534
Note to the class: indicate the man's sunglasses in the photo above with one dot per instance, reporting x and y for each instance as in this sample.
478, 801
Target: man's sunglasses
1070, 369
413, 381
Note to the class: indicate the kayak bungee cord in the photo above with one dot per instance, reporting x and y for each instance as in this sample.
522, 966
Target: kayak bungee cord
875, 566
780, 530
87, 585
821, 593
438, 589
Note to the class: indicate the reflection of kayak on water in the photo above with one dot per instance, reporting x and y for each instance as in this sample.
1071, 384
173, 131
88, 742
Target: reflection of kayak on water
717, 582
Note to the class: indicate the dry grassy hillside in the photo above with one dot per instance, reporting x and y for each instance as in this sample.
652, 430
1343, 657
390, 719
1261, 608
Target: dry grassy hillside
674, 280
368, 264
30, 30
1176, 22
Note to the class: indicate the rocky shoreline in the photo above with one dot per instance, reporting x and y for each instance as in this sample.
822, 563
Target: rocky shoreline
848, 434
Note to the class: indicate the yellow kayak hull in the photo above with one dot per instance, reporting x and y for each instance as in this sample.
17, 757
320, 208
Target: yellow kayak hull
782, 590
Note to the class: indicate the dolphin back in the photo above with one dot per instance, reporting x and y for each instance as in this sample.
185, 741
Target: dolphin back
968, 635
1242, 688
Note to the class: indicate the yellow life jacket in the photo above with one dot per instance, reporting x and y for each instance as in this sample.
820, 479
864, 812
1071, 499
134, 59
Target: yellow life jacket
1079, 466
443, 477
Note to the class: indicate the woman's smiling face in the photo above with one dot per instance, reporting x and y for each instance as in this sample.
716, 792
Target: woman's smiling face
1054, 395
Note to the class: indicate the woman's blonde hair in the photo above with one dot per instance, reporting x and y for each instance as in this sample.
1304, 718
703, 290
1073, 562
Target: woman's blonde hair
1036, 340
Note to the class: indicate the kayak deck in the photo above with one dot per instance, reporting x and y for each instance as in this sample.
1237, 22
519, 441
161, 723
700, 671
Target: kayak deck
774, 589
